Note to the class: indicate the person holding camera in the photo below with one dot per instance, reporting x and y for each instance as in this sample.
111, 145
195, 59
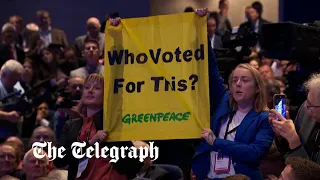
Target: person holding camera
301, 138
66, 105
11, 73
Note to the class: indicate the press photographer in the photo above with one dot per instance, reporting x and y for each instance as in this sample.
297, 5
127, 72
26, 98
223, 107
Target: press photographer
67, 100
11, 73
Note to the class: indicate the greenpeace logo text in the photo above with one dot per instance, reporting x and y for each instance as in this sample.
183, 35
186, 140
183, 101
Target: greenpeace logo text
114, 153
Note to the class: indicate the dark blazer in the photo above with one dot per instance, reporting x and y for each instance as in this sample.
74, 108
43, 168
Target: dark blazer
58, 37
253, 138
217, 42
4, 54
250, 25
70, 133
157, 173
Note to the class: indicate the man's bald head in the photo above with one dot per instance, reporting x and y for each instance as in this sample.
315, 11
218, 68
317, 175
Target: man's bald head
93, 27
94, 21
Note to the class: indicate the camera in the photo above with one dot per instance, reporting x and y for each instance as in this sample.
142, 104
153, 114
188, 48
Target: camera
69, 100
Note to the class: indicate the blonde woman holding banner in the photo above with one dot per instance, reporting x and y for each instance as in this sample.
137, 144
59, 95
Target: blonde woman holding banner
89, 129
240, 134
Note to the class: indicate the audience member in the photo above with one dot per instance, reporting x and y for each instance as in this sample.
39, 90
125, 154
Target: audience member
255, 21
237, 177
34, 167
75, 87
8, 47
71, 61
7, 177
298, 169
282, 83
20, 146
254, 63
91, 54
9, 159
189, 9
42, 134
18, 24
303, 136
212, 26
93, 32
266, 72
241, 134
58, 174
29, 77
49, 35
147, 170
89, 129
247, 14
11, 72
224, 22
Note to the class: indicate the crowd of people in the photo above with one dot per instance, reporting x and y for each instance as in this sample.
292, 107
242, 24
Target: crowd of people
247, 139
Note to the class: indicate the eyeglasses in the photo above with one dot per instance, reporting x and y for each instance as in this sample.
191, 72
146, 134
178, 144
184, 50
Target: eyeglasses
309, 106
9, 156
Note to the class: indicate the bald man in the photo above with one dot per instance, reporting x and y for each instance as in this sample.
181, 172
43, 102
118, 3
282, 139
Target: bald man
147, 170
93, 32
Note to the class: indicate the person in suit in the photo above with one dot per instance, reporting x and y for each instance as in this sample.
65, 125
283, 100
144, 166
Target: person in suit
47, 34
301, 138
89, 129
148, 171
212, 26
91, 53
255, 20
93, 32
240, 129
8, 48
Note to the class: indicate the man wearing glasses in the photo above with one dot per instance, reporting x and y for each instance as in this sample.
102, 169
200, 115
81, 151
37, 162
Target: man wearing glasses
91, 54
303, 136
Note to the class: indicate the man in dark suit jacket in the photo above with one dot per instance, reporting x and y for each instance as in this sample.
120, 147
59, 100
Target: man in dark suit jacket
47, 34
212, 26
8, 48
255, 20
148, 171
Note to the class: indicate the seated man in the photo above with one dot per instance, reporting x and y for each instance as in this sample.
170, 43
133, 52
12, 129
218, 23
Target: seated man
33, 167
150, 172
20, 148
299, 169
91, 54
9, 158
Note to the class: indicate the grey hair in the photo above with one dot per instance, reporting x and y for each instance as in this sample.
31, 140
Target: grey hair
314, 83
11, 66
7, 26
30, 152
58, 174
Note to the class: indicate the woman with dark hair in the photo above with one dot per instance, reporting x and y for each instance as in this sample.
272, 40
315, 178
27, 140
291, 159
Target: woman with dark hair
89, 129
49, 67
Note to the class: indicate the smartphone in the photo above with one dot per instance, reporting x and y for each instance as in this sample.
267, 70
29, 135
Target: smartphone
279, 101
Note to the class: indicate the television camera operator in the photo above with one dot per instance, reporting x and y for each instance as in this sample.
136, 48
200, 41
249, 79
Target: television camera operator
66, 101
10, 74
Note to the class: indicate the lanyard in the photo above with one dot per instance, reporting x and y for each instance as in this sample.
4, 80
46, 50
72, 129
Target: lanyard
229, 122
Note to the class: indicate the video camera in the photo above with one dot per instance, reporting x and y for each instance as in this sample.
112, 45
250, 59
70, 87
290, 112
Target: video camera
300, 45
26, 102
69, 101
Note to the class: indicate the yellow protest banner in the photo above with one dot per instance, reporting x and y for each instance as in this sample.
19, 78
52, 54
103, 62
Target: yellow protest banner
156, 78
